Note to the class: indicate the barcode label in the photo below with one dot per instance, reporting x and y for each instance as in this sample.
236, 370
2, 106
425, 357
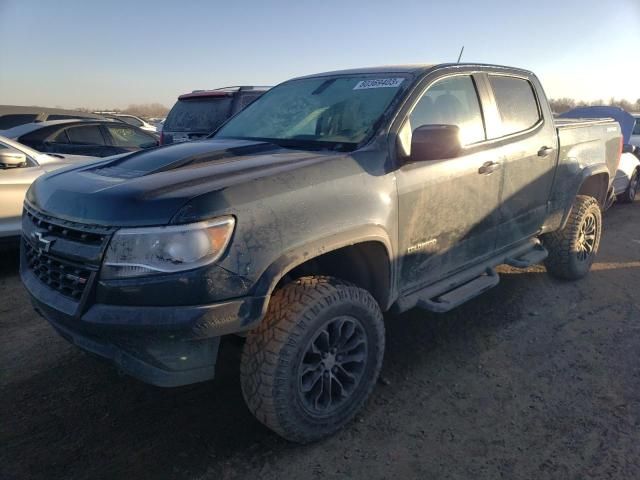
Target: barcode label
379, 83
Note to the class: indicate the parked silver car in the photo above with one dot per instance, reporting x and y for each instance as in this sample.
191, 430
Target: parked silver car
19, 167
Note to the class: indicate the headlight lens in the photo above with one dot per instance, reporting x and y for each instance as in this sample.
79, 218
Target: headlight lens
135, 252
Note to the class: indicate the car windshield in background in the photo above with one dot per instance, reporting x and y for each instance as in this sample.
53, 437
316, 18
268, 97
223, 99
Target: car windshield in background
342, 111
636, 129
200, 114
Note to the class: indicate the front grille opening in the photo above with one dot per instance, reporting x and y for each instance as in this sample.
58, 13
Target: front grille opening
66, 278
65, 232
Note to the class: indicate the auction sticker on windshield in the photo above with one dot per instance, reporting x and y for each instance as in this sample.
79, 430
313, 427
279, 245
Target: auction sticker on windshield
378, 83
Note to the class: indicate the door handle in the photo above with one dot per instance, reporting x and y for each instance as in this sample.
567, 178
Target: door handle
545, 151
488, 167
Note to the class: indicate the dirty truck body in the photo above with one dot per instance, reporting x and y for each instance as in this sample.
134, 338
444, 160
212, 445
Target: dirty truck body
366, 203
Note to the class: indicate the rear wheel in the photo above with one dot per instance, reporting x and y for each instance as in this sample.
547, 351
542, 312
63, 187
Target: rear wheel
629, 194
314, 360
572, 250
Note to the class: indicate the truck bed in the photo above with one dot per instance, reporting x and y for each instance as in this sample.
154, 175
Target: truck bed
584, 144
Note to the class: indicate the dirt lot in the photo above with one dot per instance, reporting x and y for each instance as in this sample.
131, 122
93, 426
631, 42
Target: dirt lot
536, 379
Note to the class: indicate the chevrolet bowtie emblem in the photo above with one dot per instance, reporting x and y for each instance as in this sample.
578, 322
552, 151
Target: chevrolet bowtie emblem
42, 244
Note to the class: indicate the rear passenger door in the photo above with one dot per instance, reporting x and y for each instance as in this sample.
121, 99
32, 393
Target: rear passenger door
526, 147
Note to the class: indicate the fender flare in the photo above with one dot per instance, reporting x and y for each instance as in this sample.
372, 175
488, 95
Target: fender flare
298, 255
587, 173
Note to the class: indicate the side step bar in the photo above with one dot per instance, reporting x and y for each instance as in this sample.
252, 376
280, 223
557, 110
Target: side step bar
456, 289
461, 294
536, 255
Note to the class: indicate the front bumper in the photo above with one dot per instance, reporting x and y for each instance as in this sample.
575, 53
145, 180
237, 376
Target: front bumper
164, 346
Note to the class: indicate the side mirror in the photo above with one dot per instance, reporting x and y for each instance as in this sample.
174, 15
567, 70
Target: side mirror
435, 142
12, 159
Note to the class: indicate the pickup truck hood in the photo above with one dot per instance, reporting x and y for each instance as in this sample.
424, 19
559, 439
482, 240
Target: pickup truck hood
148, 187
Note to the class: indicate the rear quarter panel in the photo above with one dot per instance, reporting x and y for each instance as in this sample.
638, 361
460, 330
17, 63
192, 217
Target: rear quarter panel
586, 148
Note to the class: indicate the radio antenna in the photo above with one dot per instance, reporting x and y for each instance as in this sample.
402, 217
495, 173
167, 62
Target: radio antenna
460, 56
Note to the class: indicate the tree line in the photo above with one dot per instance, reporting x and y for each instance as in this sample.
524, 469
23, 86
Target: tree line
144, 110
560, 105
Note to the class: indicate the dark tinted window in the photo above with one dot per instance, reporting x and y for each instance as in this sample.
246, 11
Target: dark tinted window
64, 117
516, 102
60, 137
131, 121
10, 121
451, 101
129, 137
248, 98
636, 129
202, 115
85, 135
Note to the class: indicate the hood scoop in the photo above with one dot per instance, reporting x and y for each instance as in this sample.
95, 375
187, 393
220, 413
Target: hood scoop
182, 155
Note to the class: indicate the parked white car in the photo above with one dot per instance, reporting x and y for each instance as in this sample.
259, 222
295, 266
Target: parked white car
131, 120
19, 167
627, 180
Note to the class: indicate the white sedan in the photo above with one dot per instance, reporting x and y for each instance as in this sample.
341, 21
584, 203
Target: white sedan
19, 167
627, 181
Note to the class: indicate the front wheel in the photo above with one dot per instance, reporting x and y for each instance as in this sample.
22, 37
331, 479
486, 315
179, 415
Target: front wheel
573, 249
314, 360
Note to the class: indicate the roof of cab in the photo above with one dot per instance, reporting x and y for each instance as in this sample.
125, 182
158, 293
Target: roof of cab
413, 69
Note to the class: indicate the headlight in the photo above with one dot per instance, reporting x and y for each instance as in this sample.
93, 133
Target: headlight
135, 252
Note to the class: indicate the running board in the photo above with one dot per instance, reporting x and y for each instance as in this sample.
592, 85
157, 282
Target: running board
525, 254
461, 294
534, 256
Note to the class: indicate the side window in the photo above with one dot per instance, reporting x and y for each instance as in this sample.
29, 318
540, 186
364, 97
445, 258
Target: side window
130, 120
247, 99
129, 137
60, 137
85, 135
451, 101
65, 117
516, 103
10, 121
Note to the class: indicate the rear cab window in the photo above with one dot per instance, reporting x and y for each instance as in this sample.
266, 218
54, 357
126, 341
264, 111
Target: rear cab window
516, 102
198, 114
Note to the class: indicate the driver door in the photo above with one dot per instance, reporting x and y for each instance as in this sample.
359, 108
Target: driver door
448, 208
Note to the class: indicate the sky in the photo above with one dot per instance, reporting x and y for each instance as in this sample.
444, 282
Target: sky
109, 54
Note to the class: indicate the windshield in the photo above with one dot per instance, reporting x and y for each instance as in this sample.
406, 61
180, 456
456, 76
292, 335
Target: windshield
636, 129
202, 115
340, 111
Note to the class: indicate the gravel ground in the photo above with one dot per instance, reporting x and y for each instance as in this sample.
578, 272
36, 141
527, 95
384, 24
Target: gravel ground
535, 379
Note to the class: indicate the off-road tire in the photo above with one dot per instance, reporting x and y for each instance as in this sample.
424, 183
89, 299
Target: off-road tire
274, 352
563, 260
629, 195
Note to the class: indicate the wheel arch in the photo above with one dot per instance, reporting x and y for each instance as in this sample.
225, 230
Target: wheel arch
363, 257
595, 182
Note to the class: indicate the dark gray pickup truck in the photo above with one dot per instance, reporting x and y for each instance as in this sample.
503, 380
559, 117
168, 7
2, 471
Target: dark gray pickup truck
329, 200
